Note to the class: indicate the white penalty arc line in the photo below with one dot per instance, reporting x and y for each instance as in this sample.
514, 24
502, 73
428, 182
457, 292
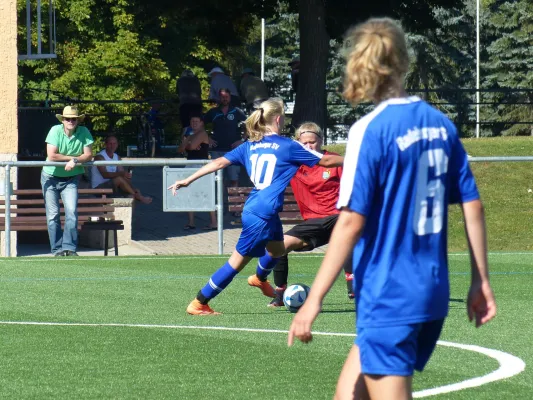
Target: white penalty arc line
509, 365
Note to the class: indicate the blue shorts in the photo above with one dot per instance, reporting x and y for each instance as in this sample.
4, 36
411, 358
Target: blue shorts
397, 350
256, 233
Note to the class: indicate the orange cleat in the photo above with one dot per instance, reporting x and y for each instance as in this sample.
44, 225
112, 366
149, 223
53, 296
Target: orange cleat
265, 286
197, 308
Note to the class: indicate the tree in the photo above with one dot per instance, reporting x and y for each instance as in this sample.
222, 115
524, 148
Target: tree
131, 50
322, 20
509, 65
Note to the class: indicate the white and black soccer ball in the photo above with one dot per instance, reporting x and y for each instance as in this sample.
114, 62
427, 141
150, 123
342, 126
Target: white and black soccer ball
294, 296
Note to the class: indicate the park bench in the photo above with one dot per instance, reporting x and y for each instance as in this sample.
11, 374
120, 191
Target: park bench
95, 212
290, 214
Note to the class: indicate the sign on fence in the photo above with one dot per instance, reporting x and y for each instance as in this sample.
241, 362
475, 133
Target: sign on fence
198, 196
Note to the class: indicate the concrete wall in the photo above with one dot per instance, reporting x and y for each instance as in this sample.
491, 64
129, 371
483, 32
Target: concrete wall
8, 95
8, 77
123, 212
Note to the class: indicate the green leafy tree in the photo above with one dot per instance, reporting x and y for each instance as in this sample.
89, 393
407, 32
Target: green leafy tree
321, 21
509, 65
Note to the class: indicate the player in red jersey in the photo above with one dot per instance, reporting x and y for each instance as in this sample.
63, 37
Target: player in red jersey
316, 190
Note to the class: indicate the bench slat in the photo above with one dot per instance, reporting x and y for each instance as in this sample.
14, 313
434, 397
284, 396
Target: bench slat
41, 201
242, 199
237, 196
236, 191
39, 227
38, 210
42, 218
33, 192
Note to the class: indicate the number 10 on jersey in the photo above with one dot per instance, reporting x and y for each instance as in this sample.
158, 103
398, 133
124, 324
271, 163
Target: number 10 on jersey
262, 170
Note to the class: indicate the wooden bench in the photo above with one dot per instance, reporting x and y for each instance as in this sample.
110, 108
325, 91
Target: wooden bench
29, 214
290, 214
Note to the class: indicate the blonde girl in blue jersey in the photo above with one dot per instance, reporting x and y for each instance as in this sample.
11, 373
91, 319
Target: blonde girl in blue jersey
404, 165
271, 161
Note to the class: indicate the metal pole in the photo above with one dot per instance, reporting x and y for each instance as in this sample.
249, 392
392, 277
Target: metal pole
28, 27
39, 27
220, 209
50, 28
262, 49
7, 192
477, 69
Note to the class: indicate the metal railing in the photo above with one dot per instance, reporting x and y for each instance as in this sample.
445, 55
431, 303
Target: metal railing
7, 165
162, 162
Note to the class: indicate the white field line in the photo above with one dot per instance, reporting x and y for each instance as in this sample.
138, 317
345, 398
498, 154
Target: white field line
224, 256
509, 364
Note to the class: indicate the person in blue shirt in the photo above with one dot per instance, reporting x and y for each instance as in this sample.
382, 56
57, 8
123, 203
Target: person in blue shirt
406, 165
270, 161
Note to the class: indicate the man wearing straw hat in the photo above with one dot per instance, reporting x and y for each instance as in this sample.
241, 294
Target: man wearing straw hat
67, 142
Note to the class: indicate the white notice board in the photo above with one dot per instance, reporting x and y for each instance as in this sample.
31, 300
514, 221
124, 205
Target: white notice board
198, 196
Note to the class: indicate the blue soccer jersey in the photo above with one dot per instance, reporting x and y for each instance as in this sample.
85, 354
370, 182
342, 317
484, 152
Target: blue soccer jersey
404, 164
271, 163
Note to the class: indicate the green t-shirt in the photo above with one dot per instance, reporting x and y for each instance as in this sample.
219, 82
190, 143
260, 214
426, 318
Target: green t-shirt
68, 146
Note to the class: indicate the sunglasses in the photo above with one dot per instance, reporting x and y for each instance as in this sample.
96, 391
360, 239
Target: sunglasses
70, 119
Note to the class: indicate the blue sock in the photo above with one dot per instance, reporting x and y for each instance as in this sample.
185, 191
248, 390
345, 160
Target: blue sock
218, 282
265, 266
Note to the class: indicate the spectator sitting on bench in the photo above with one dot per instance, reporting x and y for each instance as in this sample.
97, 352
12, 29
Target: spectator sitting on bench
114, 176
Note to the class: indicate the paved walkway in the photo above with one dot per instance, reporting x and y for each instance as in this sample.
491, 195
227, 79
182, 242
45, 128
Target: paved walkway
158, 232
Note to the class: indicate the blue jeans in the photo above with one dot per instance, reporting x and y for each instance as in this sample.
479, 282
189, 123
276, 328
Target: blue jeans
67, 188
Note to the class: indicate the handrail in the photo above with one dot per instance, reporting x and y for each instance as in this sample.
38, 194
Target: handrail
7, 165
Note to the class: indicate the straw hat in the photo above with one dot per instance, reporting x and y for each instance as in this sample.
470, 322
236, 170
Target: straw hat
70, 112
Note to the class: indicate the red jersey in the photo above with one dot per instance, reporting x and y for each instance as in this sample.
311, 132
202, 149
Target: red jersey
316, 190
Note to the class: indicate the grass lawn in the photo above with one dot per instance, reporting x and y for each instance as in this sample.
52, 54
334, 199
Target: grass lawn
120, 331
504, 188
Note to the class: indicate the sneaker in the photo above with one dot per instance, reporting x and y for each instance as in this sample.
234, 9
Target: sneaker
278, 301
265, 286
71, 253
60, 254
197, 308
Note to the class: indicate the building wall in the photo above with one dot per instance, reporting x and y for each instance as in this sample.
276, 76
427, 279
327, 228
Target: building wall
8, 97
8, 77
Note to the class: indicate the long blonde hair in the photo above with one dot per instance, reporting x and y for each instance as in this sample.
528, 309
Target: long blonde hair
376, 60
257, 123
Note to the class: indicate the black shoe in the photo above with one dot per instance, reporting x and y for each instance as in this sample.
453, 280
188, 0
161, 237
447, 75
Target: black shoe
71, 253
349, 284
60, 254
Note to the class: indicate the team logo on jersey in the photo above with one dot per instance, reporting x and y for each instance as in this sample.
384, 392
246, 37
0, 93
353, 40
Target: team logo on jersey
326, 174
231, 117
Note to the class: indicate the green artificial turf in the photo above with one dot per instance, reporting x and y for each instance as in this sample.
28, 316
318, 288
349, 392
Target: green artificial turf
155, 350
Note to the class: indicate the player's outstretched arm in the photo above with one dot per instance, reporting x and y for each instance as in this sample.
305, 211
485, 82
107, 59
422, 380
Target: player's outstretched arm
346, 233
213, 166
331, 160
481, 304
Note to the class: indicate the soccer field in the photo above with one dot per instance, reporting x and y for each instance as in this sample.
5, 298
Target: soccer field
117, 328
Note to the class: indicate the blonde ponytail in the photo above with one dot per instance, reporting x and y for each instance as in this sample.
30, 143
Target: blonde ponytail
258, 122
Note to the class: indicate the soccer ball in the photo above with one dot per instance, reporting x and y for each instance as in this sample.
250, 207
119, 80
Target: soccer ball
294, 296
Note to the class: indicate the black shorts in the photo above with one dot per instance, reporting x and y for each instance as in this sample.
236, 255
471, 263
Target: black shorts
314, 231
